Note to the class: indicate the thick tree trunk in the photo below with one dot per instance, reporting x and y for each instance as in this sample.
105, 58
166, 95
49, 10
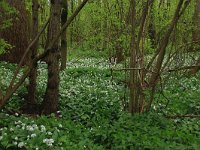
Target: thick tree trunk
50, 102
31, 99
18, 35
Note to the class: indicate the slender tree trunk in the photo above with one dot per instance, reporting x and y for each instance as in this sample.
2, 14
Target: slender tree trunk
64, 36
164, 43
196, 21
119, 47
162, 48
133, 77
196, 35
136, 104
72, 25
50, 102
31, 99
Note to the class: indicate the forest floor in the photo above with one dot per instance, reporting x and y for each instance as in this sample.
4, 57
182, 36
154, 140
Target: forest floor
91, 115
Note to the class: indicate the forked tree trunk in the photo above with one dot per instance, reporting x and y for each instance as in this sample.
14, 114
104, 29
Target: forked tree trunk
136, 103
50, 102
31, 99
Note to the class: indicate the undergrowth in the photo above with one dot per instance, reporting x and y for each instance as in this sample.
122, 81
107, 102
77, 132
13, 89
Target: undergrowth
91, 115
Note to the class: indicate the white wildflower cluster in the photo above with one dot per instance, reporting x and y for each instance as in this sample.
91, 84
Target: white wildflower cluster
29, 128
21, 144
89, 62
43, 129
60, 126
1, 137
49, 133
48, 142
33, 135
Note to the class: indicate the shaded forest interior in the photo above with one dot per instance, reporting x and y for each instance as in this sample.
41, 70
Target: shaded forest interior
107, 74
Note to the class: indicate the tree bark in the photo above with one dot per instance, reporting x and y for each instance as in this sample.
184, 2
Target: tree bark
133, 101
164, 42
162, 48
64, 35
50, 102
31, 99
13, 87
196, 21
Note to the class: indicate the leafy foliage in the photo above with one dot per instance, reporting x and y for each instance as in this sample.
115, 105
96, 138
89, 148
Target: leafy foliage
90, 114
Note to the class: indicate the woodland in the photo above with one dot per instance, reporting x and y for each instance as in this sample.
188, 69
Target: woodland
100, 74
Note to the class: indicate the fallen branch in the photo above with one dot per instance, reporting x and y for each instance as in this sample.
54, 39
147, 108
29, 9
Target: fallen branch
120, 69
184, 116
182, 68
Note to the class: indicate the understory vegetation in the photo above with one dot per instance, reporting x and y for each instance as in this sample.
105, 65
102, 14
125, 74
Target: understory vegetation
99, 74
90, 115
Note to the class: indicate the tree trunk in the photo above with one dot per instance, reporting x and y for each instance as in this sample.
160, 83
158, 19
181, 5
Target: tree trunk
196, 21
133, 73
162, 48
136, 104
64, 36
196, 35
50, 102
31, 99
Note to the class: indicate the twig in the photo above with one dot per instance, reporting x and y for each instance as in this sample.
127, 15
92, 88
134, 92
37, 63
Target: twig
120, 69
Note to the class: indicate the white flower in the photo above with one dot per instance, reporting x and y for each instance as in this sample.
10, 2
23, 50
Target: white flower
43, 129
60, 125
35, 126
1, 137
21, 144
29, 128
36, 148
49, 133
16, 114
33, 135
18, 122
16, 138
48, 142
15, 143
11, 129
